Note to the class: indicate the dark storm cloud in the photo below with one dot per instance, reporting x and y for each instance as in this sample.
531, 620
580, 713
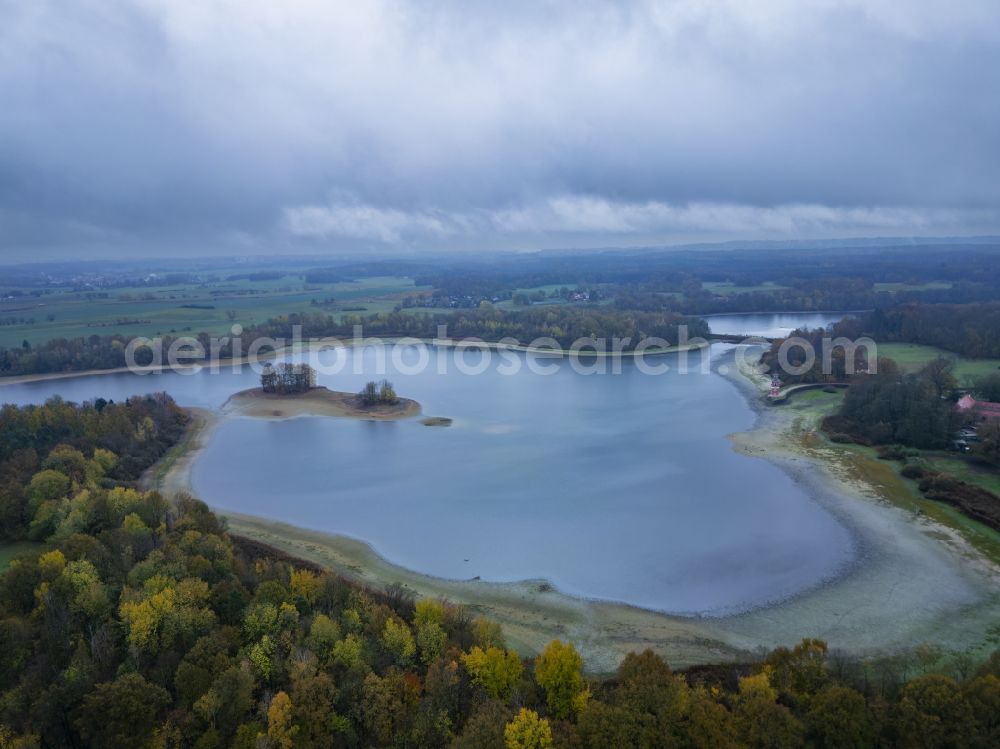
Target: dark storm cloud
249, 125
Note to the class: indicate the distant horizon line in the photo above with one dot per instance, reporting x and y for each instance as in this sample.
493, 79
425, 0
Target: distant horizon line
856, 242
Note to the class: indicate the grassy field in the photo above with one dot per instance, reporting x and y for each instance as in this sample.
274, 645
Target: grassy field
892, 288
12, 550
912, 356
815, 403
728, 288
965, 470
546, 289
212, 307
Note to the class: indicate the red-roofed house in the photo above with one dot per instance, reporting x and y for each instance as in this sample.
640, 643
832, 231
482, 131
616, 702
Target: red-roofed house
981, 410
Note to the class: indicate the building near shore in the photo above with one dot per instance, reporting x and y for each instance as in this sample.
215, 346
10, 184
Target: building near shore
978, 410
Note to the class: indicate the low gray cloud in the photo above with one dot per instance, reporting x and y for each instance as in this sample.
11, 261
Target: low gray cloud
350, 218
578, 216
223, 125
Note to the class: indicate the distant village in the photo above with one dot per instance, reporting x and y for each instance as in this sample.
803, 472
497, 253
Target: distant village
517, 298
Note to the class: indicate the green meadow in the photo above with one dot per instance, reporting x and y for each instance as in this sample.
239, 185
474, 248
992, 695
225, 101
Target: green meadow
893, 288
212, 307
912, 356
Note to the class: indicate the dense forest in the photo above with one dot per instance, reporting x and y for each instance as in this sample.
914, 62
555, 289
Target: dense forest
969, 329
141, 623
799, 295
65, 355
895, 408
806, 362
564, 324
42, 455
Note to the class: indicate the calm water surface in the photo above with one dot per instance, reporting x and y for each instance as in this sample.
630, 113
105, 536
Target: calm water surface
770, 324
621, 487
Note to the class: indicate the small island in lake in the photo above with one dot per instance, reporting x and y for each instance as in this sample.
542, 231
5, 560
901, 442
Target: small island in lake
436, 421
290, 390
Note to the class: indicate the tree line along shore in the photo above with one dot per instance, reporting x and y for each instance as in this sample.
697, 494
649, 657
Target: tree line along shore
564, 325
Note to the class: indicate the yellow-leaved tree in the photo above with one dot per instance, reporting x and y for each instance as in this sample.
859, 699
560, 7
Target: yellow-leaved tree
398, 640
495, 670
528, 731
559, 671
428, 621
306, 584
280, 730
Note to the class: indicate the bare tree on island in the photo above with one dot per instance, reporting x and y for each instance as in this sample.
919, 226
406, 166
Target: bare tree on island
287, 378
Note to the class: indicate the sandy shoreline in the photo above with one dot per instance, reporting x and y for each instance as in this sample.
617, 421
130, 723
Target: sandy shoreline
912, 581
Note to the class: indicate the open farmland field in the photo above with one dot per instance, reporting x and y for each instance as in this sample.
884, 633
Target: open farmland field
892, 288
547, 289
211, 306
913, 356
964, 469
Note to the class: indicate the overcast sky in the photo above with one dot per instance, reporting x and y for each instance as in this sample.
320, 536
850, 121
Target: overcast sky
257, 126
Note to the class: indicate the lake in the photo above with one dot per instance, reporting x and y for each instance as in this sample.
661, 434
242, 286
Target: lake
770, 324
611, 486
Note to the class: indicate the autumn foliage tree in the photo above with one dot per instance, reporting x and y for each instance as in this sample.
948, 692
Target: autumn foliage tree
495, 670
559, 671
379, 393
528, 731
